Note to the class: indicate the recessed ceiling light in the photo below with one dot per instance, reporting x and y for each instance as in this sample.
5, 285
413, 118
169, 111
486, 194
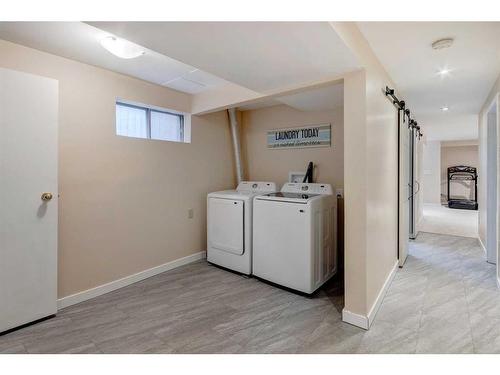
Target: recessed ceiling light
445, 108
121, 47
444, 72
442, 43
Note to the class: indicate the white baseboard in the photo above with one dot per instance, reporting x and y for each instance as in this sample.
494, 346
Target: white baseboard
357, 320
365, 321
382, 293
123, 282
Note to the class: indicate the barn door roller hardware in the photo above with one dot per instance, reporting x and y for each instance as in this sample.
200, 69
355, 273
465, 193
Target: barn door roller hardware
401, 106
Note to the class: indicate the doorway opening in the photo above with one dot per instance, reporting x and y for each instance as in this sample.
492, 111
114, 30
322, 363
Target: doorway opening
450, 187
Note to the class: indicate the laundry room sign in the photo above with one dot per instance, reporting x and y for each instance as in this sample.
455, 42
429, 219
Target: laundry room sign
307, 136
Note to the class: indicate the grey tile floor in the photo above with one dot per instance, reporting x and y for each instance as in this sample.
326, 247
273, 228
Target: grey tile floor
444, 300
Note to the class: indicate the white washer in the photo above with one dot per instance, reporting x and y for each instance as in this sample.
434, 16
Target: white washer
294, 236
229, 225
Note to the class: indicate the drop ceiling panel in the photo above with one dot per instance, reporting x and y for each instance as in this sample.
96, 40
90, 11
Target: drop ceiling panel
262, 56
185, 85
203, 78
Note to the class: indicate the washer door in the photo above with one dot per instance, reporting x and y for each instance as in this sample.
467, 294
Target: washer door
226, 225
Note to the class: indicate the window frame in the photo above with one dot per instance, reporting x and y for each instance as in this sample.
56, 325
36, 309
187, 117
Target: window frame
149, 110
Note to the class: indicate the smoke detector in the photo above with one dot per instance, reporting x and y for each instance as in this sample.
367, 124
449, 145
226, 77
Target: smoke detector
442, 43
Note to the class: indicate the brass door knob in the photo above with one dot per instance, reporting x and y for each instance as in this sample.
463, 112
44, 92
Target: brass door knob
46, 196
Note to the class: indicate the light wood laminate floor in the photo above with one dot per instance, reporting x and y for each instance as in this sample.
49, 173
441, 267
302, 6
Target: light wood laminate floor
444, 300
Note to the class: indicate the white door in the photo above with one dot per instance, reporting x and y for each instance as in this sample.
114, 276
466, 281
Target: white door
404, 190
28, 224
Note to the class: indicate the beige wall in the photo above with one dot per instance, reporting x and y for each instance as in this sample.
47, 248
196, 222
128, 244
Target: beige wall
265, 164
382, 179
370, 177
124, 201
458, 155
355, 187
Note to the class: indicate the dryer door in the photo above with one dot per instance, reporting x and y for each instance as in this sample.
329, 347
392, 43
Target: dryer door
226, 225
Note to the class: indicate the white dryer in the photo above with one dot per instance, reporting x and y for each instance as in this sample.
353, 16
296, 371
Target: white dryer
294, 236
229, 225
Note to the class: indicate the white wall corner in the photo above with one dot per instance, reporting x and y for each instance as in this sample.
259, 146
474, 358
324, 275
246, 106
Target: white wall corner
382, 293
364, 321
126, 281
357, 320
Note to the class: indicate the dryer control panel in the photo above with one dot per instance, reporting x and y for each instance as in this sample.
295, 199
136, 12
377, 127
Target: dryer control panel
293, 187
257, 186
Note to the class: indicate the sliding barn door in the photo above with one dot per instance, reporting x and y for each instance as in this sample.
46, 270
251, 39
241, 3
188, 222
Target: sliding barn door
28, 198
404, 192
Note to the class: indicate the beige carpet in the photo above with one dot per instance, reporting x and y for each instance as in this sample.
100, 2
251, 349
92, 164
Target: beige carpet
443, 220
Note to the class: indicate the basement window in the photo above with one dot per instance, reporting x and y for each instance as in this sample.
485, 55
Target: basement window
148, 122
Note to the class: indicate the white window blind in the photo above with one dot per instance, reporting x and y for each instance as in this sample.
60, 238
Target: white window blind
166, 126
131, 121
149, 123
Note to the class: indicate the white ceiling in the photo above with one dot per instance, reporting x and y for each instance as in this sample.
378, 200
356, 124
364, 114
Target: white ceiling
205, 57
449, 127
261, 56
326, 98
321, 99
404, 48
259, 104
79, 41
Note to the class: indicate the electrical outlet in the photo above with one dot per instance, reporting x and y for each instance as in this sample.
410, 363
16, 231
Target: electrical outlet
190, 213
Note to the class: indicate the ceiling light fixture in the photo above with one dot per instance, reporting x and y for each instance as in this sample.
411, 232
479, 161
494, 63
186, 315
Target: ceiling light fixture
445, 108
442, 43
121, 47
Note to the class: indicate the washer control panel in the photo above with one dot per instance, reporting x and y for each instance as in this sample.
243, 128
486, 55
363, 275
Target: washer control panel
294, 187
